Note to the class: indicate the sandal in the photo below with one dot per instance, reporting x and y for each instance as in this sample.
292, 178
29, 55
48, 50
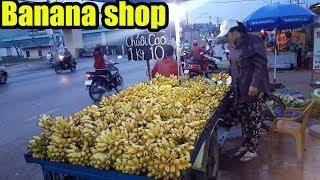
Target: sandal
248, 156
240, 151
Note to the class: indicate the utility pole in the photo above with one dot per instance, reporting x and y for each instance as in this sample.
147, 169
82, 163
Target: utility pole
187, 18
218, 20
210, 25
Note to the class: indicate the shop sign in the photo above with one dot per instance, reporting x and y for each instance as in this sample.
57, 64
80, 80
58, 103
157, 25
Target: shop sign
316, 49
146, 46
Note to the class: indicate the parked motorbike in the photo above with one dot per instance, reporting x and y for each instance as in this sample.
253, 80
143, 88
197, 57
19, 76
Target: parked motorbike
191, 69
3, 75
98, 84
209, 63
62, 65
185, 55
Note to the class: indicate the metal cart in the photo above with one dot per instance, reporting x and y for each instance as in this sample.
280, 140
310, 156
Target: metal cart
204, 158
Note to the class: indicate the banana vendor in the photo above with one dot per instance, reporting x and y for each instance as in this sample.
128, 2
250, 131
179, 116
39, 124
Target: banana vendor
249, 72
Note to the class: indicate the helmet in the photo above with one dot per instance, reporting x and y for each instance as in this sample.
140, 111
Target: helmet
98, 47
195, 43
263, 34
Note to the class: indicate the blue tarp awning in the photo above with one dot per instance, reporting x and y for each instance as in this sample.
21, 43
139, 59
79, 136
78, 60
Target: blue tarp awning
279, 16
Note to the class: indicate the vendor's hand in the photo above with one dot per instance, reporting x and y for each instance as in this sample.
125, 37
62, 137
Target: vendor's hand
253, 91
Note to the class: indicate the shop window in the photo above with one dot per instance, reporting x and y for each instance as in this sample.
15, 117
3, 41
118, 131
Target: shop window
28, 54
40, 53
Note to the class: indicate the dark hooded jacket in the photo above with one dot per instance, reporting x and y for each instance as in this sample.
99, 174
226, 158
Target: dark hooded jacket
249, 67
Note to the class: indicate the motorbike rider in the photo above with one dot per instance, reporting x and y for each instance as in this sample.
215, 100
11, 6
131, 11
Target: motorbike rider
49, 57
196, 54
100, 65
67, 56
167, 66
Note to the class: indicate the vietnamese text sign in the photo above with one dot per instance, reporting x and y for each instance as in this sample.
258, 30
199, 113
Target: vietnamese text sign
146, 46
316, 49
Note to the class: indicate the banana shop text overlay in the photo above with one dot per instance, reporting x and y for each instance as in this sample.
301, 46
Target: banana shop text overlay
122, 14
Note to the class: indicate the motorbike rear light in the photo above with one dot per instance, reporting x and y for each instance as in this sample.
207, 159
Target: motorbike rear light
89, 77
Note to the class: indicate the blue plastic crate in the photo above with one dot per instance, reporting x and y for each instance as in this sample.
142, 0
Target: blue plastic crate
53, 169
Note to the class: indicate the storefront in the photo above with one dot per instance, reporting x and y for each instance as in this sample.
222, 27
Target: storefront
290, 49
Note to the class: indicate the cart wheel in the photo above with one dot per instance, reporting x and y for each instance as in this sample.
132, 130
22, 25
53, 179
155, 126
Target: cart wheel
213, 158
48, 176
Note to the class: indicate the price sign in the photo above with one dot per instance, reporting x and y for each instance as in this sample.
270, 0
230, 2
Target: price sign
146, 46
316, 49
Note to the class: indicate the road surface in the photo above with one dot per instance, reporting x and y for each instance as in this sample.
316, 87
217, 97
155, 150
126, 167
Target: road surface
42, 91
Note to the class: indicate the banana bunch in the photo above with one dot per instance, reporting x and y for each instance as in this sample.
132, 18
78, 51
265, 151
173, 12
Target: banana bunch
38, 147
79, 153
148, 128
64, 132
160, 80
89, 113
46, 123
134, 159
220, 77
170, 159
108, 147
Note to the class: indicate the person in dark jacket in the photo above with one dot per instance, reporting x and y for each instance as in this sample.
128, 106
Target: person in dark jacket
99, 61
67, 55
250, 82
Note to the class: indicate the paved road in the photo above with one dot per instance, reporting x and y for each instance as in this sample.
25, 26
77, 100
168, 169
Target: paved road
43, 91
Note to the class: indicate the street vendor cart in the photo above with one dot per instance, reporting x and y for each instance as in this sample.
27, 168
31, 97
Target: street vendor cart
204, 158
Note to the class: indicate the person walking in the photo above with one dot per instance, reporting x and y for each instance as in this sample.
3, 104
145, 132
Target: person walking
250, 83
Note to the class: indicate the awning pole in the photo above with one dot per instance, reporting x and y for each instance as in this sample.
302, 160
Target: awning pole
177, 29
275, 60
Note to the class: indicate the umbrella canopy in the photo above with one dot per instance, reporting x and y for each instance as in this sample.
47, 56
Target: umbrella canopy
279, 16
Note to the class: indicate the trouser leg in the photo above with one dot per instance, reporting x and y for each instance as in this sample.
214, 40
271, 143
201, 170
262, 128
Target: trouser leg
245, 126
254, 121
250, 114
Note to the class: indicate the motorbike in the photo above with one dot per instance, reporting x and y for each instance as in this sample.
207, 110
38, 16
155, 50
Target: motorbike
98, 84
3, 75
209, 63
72, 65
191, 69
185, 55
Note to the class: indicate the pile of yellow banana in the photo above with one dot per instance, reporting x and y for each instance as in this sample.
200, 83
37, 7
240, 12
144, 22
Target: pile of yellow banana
146, 129
220, 77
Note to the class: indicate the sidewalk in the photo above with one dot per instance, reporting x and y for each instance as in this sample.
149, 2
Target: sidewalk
299, 80
277, 163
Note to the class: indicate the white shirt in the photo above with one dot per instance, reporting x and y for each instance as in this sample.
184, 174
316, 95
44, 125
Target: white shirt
49, 56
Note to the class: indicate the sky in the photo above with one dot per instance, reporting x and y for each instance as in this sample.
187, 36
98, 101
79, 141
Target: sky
198, 11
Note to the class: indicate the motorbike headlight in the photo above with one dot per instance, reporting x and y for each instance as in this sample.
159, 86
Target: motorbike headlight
61, 57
